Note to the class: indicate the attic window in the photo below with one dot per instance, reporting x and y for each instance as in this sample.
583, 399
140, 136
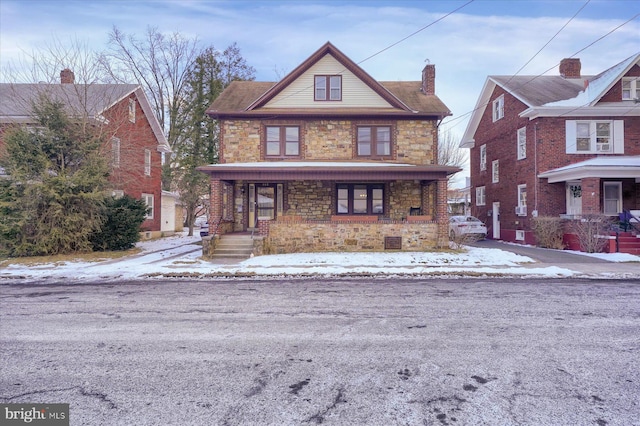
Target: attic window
328, 88
630, 88
132, 110
498, 108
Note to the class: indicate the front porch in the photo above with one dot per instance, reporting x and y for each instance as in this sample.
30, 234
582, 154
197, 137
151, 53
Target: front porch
347, 207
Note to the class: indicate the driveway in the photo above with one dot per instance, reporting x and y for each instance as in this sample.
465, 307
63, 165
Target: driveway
326, 351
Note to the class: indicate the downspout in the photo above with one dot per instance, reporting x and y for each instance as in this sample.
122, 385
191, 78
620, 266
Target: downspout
535, 168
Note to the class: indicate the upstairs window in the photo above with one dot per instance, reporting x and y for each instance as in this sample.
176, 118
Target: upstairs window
373, 141
595, 137
115, 152
147, 162
483, 157
522, 143
282, 141
495, 171
132, 110
630, 88
328, 88
498, 108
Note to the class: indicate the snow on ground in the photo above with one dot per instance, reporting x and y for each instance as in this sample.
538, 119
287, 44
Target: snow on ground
180, 256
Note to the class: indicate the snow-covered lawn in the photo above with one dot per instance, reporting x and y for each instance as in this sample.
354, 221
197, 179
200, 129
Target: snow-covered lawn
180, 256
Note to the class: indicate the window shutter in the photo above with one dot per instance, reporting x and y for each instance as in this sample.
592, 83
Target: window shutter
618, 136
570, 136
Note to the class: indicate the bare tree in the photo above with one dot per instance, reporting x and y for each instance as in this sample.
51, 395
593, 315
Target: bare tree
449, 151
160, 64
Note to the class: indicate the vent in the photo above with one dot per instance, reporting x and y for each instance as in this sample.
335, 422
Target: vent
519, 235
393, 243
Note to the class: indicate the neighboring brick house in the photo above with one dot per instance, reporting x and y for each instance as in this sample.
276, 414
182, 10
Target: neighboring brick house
565, 145
329, 159
134, 138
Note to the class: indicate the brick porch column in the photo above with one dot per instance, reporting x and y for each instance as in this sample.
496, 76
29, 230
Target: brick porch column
591, 196
442, 217
215, 206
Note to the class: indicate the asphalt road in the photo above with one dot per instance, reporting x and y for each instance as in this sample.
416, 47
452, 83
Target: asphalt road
334, 352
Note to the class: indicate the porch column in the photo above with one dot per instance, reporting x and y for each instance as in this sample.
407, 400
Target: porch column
215, 204
591, 196
442, 217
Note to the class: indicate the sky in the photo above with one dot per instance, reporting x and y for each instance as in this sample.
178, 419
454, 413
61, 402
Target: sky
180, 256
467, 40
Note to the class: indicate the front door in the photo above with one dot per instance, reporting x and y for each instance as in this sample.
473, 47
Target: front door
266, 201
574, 198
496, 220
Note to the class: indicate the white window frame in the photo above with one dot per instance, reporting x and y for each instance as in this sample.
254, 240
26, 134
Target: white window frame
522, 143
115, 152
148, 200
495, 171
498, 108
585, 137
618, 199
632, 91
481, 194
132, 110
521, 210
483, 157
147, 162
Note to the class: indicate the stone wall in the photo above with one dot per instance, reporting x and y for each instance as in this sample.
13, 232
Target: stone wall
403, 196
297, 237
311, 200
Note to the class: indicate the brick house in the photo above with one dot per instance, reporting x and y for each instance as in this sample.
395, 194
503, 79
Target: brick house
329, 159
134, 140
555, 145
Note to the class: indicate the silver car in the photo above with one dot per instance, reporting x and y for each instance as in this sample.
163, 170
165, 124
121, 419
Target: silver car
466, 226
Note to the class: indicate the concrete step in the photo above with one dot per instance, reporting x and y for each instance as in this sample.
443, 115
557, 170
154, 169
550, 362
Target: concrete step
234, 246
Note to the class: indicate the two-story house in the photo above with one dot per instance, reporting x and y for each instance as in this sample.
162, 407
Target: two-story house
133, 137
329, 159
555, 145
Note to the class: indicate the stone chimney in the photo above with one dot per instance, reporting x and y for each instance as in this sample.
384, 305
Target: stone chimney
429, 80
67, 76
570, 68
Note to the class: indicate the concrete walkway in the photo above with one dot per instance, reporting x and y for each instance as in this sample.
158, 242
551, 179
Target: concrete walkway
583, 264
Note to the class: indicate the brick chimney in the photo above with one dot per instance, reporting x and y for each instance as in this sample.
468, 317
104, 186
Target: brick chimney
570, 68
429, 80
67, 76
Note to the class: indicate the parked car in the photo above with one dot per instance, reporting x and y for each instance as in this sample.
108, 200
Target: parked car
204, 229
466, 226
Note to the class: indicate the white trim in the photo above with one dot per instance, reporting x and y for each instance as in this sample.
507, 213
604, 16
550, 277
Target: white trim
621, 109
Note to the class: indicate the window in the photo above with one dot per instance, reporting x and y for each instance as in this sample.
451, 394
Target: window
148, 200
612, 197
480, 196
132, 110
595, 137
522, 143
360, 199
521, 209
483, 157
282, 141
147, 162
495, 171
374, 141
630, 88
328, 88
498, 108
115, 152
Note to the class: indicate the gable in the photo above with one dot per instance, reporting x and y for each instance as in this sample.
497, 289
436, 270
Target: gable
300, 92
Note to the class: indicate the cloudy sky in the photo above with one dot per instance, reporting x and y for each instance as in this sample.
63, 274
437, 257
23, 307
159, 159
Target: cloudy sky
391, 40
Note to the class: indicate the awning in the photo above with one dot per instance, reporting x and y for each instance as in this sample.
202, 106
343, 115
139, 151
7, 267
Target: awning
613, 166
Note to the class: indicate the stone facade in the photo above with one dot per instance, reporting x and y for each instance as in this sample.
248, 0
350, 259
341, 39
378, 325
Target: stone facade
415, 141
311, 200
307, 236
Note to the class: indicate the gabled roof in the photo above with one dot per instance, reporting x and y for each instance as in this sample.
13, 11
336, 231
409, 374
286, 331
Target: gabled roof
404, 98
91, 100
554, 95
